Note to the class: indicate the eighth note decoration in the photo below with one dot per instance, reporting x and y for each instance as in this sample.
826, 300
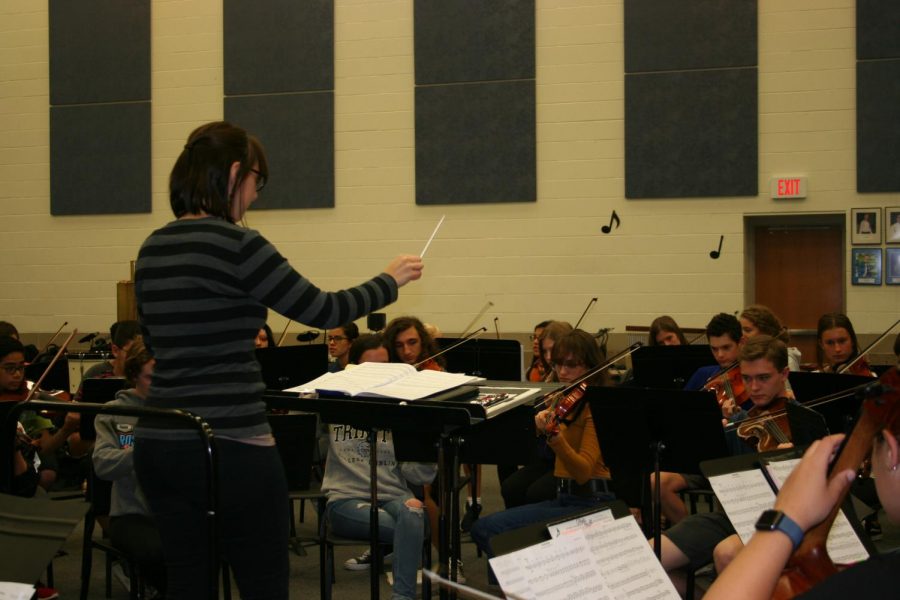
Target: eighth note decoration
714, 254
612, 219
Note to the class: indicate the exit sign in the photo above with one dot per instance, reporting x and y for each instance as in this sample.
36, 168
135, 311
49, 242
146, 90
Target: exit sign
788, 187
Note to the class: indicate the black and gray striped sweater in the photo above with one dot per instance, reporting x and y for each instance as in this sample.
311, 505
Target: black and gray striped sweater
202, 288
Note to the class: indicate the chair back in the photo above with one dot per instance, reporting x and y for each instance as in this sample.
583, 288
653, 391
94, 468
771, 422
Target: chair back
295, 438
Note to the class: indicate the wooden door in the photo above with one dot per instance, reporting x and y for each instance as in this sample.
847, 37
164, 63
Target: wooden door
799, 274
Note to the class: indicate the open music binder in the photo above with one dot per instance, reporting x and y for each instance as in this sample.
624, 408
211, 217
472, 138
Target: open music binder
601, 553
385, 380
746, 485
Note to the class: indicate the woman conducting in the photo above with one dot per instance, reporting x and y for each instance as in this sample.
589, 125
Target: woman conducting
203, 284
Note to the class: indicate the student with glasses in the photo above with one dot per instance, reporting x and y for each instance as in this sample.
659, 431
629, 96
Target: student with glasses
581, 476
339, 341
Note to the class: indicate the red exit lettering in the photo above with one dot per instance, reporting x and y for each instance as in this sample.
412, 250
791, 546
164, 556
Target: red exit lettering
788, 187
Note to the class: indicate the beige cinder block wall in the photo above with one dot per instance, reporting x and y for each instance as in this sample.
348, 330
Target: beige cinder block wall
532, 260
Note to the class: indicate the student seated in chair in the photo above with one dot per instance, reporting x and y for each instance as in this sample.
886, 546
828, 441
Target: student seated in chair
401, 516
131, 528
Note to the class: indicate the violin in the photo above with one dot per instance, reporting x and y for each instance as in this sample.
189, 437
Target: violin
767, 427
810, 563
537, 371
565, 408
728, 385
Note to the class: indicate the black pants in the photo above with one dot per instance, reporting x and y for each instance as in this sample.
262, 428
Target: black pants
252, 515
530, 484
138, 538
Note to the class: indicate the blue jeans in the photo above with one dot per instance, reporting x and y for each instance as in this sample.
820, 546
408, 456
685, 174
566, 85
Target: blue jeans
398, 524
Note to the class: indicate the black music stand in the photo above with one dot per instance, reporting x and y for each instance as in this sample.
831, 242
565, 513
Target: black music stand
283, 367
434, 423
492, 359
668, 367
839, 413
523, 537
31, 533
642, 430
57, 378
98, 391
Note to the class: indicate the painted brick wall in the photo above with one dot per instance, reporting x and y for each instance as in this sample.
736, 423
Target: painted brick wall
533, 261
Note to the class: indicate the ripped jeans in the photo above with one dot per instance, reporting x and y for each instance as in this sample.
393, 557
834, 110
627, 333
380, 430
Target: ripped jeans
398, 524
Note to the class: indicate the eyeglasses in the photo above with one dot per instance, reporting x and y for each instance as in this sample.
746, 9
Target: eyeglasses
260, 180
337, 339
568, 364
13, 368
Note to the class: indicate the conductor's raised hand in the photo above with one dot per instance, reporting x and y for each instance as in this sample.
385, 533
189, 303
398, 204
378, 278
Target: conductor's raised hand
405, 268
807, 496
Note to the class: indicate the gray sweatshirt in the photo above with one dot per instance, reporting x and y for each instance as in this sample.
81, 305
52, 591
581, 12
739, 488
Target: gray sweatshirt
113, 459
347, 467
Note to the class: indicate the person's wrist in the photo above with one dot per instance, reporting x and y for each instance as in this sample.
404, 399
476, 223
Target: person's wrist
778, 521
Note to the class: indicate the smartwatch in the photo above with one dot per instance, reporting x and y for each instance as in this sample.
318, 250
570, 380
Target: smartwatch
775, 520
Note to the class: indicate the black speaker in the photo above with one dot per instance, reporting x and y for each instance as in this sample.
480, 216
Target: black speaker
376, 321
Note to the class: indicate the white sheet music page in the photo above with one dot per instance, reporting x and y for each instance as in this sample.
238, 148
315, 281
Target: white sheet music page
629, 567
844, 546
357, 379
743, 495
558, 529
558, 569
15, 591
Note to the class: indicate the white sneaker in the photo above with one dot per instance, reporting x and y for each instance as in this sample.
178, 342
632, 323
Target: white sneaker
118, 572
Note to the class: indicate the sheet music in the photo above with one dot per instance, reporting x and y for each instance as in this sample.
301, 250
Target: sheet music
559, 569
743, 495
627, 563
599, 516
844, 546
389, 380
15, 591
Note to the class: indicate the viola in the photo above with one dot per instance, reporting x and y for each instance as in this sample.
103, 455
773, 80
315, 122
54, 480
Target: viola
810, 563
767, 427
729, 388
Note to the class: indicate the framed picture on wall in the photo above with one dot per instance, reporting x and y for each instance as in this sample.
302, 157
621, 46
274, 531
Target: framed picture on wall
866, 224
892, 268
866, 266
892, 224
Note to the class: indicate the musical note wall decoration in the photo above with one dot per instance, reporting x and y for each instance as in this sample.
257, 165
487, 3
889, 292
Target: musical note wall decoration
714, 254
612, 219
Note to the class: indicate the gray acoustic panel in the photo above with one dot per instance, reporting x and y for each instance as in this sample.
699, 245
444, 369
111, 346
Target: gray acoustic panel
297, 131
475, 143
877, 29
691, 133
664, 35
99, 51
878, 126
278, 46
100, 159
474, 40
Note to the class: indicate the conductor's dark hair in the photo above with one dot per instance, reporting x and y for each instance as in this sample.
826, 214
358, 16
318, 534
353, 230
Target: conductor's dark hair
724, 324
199, 180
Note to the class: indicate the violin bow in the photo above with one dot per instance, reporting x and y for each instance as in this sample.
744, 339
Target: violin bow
846, 366
283, 333
472, 335
484, 309
37, 384
47, 345
586, 308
